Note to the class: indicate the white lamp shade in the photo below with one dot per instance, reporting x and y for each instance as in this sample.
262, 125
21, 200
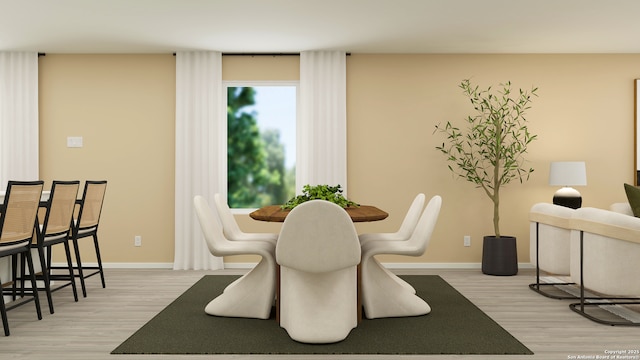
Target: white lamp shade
568, 173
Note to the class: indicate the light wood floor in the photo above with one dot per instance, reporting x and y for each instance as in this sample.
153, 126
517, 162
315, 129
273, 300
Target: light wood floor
92, 327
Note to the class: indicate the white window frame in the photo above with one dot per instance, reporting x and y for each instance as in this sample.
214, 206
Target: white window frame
223, 139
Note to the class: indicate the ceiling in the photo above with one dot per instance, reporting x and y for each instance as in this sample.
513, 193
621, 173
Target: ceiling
356, 26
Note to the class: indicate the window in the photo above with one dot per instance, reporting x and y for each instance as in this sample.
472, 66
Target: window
261, 148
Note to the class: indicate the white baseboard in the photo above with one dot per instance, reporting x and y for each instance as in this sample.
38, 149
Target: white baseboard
235, 265
111, 265
399, 266
388, 265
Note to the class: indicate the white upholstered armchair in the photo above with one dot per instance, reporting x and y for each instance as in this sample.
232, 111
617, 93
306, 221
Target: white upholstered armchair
605, 258
597, 249
550, 245
611, 251
550, 228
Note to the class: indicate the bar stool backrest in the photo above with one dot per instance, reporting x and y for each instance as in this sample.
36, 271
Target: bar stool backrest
60, 206
91, 205
19, 212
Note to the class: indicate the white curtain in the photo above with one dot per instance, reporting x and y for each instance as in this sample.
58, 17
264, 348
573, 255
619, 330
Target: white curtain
18, 116
199, 128
322, 125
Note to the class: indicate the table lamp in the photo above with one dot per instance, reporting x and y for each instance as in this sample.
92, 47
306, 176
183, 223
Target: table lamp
567, 174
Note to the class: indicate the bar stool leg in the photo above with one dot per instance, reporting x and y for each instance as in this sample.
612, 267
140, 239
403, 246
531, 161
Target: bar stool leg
3, 311
76, 249
34, 286
45, 277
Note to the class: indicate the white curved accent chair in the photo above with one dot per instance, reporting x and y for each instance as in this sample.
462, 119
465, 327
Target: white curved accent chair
231, 229
382, 296
253, 296
404, 233
318, 253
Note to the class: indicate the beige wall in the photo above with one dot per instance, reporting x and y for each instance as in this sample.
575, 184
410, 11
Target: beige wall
584, 112
123, 106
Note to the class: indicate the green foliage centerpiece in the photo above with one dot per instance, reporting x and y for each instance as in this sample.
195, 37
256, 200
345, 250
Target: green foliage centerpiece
490, 151
320, 192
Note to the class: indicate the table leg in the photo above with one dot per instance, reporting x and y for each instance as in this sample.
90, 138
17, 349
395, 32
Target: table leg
278, 294
359, 301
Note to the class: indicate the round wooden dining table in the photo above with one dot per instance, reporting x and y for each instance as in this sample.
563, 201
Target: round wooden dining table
362, 213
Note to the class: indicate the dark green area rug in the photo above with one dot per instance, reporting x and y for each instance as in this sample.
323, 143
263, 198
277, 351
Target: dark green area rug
454, 326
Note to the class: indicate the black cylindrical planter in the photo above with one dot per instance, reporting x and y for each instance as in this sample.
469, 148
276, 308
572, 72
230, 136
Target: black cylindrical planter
499, 256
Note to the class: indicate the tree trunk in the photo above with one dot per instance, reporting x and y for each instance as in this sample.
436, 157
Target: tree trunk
496, 214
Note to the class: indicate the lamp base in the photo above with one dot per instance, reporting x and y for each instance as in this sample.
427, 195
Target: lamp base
568, 197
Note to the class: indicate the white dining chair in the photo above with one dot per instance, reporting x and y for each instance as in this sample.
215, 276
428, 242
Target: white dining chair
318, 253
231, 229
252, 297
382, 295
404, 233
406, 228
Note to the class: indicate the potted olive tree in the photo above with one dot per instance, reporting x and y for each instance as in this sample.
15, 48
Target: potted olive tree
489, 152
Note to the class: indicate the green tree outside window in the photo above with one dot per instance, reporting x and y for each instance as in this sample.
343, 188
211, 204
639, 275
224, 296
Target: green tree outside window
257, 175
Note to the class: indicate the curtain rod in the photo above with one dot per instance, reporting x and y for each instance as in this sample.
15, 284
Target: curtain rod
237, 54
241, 54
260, 54
257, 54
263, 54
266, 54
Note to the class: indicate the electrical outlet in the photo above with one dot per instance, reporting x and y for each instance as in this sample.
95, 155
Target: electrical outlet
74, 141
467, 240
137, 240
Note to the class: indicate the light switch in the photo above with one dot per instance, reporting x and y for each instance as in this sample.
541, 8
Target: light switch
74, 141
